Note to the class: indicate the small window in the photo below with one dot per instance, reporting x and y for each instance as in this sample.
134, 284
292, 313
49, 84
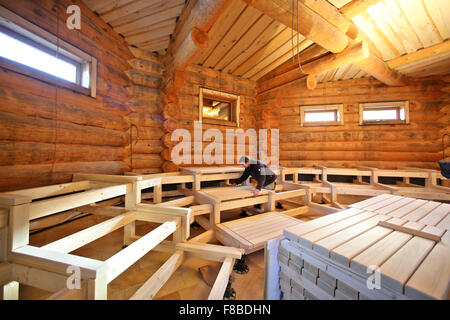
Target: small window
396, 112
27, 49
219, 108
321, 115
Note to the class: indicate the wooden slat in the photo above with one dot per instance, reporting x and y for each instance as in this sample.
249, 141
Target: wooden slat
383, 203
327, 244
399, 268
308, 240
431, 279
394, 206
422, 211
221, 282
297, 231
382, 250
347, 251
370, 201
436, 215
400, 212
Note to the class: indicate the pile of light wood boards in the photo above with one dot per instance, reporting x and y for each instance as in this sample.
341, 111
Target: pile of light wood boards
386, 247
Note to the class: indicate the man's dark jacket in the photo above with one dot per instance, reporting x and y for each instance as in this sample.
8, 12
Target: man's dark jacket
260, 172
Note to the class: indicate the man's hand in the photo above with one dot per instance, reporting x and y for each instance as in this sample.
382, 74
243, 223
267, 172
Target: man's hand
256, 192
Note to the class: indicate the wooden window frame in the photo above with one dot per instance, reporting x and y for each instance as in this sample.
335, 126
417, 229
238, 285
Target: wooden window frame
33, 35
389, 105
337, 108
234, 100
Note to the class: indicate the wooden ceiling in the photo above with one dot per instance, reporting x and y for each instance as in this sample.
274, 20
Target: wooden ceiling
147, 24
245, 42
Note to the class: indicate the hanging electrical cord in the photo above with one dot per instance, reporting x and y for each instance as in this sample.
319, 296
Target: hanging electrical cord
298, 40
131, 142
294, 26
56, 95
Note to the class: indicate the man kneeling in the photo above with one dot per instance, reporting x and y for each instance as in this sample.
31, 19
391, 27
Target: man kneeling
259, 171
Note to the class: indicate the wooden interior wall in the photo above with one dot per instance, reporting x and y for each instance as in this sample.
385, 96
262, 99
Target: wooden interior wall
445, 117
146, 112
181, 96
43, 141
383, 146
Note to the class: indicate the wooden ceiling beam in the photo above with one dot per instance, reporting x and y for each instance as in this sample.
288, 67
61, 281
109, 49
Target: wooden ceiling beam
420, 55
313, 26
329, 62
355, 7
202, 16
328, 36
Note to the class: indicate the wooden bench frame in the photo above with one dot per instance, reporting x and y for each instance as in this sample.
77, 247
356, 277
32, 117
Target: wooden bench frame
47, 267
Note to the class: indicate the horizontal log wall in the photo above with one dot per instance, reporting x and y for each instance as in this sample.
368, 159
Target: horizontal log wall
383, 146
48, 133
182, 104
146, 116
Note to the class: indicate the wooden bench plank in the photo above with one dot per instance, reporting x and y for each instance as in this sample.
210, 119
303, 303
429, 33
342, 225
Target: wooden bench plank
370, 201
396, 271
421, 212
383, 203
308, 240
327, 244
393, 206
378, 253
400, 212
431, 279
299, 230
436, 215
445, 223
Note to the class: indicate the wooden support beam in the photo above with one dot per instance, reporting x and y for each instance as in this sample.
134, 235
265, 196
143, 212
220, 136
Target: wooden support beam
185, 201
355, 7
420, 55
128, 256
351, 54
54, 261
202, 16
205, 251
189, 49
47, 207
151, 287
314, 27
83, 237
205, 237
220, 285
328, 36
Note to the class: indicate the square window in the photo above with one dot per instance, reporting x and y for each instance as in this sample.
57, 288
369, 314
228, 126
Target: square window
216, 107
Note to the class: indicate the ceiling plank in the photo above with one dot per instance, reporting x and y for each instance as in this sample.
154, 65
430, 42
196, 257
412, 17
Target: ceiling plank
220, 29
248, 18
245, 42
262, 40
127, 9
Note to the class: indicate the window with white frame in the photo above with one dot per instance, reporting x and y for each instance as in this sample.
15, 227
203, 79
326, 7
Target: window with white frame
30, 50
394, 112
322, 115
220, 108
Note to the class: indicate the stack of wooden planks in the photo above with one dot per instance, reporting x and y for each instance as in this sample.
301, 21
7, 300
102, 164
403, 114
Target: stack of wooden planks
385, 247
